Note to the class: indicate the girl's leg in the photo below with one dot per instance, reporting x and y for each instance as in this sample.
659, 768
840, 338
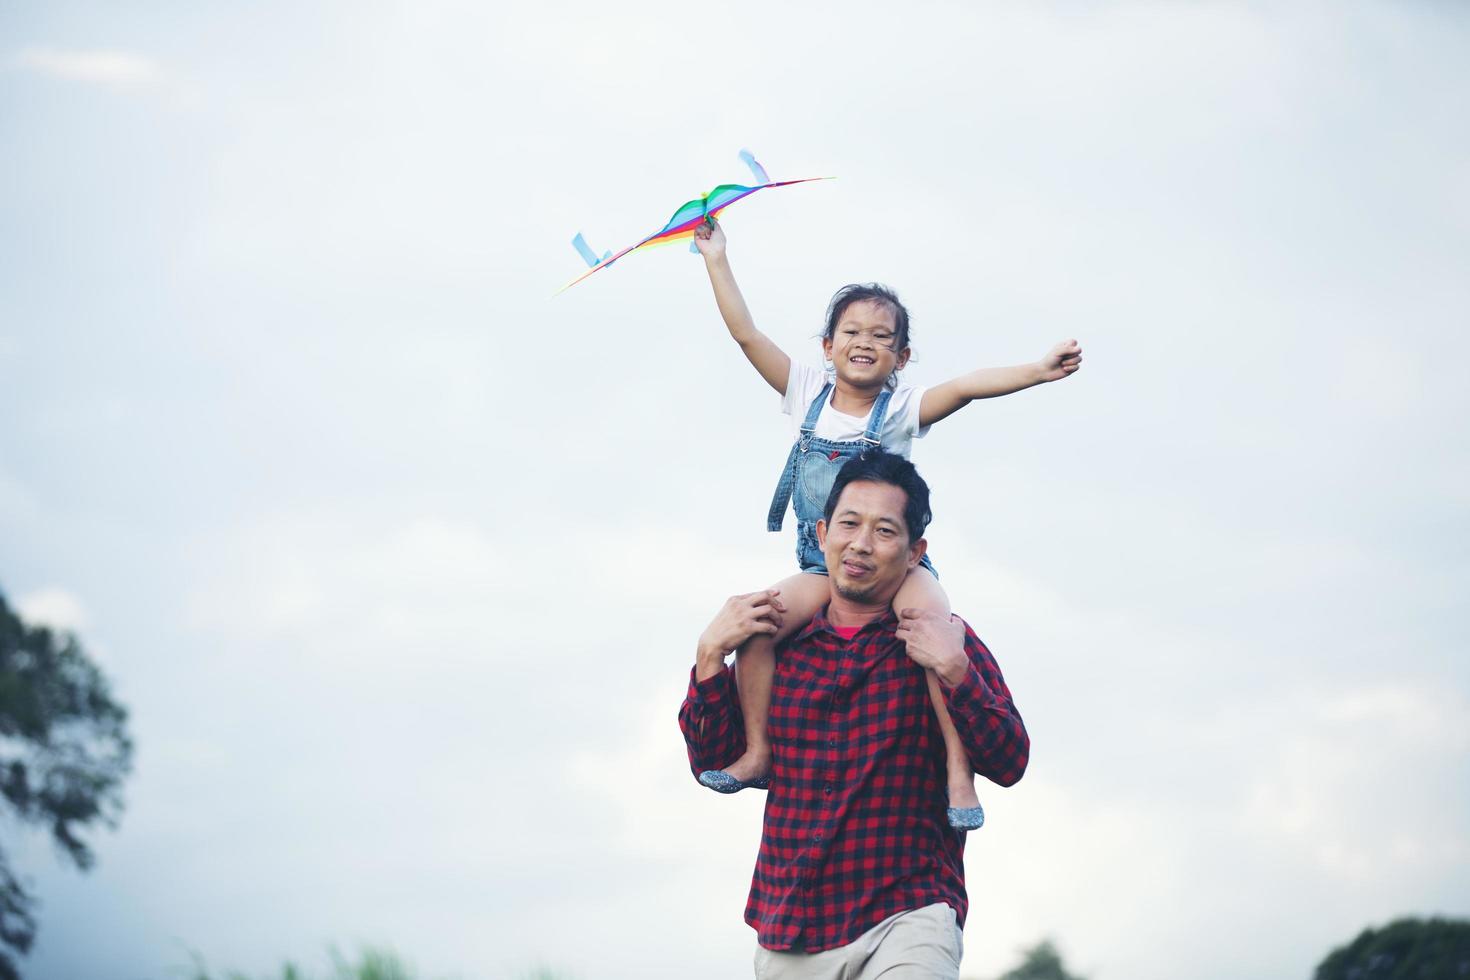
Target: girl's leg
921, 590
755, 666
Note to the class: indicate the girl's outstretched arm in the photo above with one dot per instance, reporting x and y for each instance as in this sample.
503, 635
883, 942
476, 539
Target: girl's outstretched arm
944, 400
763, 354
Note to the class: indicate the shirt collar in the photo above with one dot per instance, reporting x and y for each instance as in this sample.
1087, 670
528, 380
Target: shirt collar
820, 623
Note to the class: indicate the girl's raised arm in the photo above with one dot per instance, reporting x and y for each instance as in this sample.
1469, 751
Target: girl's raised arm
945, 399
763, 354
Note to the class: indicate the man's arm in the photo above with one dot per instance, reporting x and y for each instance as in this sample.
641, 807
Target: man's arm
710, 718
975, 693
943, 400
712, 723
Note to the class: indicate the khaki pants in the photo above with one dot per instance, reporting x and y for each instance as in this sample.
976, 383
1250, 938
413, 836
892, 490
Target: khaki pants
924, 944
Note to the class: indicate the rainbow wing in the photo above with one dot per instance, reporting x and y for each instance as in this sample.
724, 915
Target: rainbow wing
690, 215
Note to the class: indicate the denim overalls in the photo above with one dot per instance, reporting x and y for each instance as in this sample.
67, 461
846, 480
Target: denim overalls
810, 471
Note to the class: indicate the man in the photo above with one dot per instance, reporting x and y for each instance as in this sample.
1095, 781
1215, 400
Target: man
859, 873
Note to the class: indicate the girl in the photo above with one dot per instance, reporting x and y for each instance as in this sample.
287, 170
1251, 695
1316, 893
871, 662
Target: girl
858, 403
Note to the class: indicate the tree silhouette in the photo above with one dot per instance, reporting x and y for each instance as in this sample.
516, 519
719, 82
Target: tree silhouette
64, 751
1040, 962
1405, 949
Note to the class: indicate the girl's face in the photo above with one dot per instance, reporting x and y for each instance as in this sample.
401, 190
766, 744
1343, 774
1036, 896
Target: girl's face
861, 347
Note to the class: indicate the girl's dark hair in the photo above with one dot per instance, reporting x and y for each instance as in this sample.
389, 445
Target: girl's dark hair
876, 292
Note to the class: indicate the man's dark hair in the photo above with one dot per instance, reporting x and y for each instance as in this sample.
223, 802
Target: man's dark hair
876, 466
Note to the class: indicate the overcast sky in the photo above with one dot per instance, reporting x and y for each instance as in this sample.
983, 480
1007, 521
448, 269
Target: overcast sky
399, 561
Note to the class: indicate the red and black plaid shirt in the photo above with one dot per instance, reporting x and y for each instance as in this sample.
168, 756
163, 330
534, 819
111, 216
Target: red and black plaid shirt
855, 828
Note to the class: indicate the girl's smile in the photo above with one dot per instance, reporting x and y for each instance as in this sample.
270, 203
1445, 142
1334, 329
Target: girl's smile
861, 347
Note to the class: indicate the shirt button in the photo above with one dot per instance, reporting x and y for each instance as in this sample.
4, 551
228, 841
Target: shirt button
818, 835
832, 742
827, 789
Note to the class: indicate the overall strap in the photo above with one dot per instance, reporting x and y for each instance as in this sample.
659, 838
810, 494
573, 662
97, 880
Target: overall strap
810, 425
875, 420
787, 483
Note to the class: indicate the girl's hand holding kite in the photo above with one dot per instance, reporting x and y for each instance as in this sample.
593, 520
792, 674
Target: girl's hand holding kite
709, 238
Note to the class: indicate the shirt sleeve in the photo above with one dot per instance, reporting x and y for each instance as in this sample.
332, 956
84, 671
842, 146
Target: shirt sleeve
903, 411
986, 718
712, 723
802, 385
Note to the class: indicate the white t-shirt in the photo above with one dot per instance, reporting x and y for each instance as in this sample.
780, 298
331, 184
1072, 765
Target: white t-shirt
900, 426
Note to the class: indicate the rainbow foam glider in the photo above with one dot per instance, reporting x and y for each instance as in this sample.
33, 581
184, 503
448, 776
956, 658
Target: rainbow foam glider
689, 217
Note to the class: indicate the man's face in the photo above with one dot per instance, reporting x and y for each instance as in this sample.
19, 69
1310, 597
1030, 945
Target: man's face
867, 544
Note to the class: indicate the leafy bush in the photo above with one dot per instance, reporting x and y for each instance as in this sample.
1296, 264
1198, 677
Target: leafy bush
371, 964
1405, 949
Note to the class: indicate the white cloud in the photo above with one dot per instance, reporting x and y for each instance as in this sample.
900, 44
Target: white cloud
1361, 786
101, 67
53, 607
1418, 717
113, 70
457, 575
1385, 375
306, 572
